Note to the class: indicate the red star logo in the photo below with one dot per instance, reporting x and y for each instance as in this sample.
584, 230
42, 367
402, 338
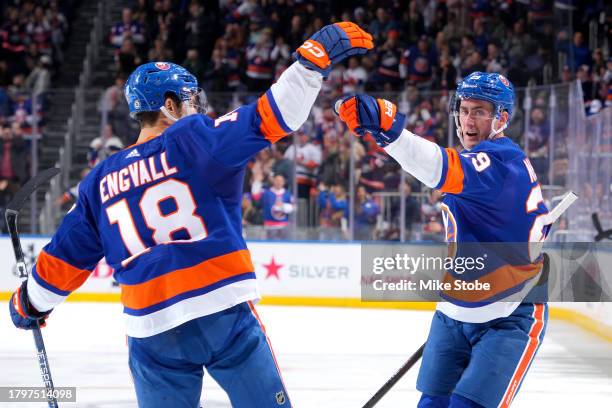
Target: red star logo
273, 269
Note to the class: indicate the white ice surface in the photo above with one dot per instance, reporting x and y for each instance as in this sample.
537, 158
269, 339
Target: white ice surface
330, 357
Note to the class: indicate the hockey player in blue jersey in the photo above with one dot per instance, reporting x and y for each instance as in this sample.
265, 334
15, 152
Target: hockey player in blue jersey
166, 214
479, 348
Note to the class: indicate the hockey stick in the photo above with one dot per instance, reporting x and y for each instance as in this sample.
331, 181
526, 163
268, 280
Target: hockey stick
551, 217
11, 215
395, 378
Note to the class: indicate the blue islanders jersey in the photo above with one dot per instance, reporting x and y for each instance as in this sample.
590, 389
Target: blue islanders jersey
166, 214
492, 196
274, 206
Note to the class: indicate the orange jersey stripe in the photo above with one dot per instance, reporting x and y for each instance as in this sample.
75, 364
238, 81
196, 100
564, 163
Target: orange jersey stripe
183, 280
59, 273
528, 354
499, 280
454, 174
269, 127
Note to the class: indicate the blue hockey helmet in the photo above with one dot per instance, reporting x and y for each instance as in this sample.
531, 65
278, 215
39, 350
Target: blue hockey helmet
490, 87
146, 88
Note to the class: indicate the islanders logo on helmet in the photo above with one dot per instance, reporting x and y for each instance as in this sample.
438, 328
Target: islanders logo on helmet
504, 80
164, 66
490, 87
146, 88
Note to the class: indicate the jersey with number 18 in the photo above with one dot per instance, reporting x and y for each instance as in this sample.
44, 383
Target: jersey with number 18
166, 214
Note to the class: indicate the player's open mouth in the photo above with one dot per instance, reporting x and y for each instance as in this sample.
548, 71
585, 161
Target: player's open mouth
471, 134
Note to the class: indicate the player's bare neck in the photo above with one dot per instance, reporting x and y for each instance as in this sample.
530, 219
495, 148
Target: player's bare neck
149, 132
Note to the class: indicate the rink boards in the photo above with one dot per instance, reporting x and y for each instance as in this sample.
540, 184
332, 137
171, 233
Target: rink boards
301, 273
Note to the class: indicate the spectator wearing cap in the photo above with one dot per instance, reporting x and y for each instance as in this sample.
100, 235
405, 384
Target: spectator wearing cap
103, 146
127, 28
39, 79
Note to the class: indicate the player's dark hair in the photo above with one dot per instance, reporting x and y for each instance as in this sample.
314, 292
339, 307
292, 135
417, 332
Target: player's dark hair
150, 118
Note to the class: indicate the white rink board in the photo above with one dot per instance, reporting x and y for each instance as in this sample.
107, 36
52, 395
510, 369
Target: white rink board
284, 269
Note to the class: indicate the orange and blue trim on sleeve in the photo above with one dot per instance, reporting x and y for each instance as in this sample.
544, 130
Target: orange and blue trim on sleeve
58, 276
451, 179
272, 126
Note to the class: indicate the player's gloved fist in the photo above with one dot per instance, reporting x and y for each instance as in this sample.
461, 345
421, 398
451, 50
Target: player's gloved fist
23, 314
364, 114
332, 44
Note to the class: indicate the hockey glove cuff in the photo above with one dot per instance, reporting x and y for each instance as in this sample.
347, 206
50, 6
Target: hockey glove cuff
23, 314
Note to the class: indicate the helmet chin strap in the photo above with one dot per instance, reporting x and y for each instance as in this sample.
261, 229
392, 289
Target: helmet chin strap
494, 132
168, 114
185, 111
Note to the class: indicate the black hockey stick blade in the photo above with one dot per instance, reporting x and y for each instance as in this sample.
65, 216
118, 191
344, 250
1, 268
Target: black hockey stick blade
12, 212
396, 377
32, 185
601, 234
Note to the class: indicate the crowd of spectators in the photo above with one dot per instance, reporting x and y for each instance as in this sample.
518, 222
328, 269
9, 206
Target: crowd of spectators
423, 47
31, 37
